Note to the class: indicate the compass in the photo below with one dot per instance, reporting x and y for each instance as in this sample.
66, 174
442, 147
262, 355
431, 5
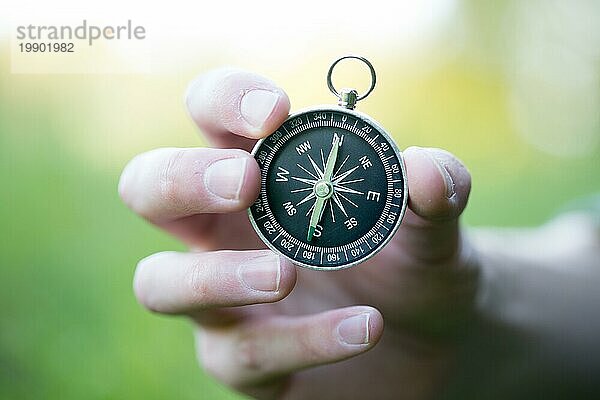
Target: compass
333, 184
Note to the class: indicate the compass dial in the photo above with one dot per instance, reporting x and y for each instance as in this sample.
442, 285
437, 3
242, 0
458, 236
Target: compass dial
333, 188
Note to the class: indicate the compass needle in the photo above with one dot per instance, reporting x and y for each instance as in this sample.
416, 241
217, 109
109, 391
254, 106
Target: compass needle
323, 188
333, 186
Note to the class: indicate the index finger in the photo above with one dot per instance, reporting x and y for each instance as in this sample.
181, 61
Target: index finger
234, 108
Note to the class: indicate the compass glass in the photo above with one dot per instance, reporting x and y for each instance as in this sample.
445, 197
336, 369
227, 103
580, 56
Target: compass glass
333, 188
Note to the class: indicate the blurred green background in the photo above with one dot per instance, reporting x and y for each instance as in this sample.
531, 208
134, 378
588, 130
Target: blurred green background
511, 90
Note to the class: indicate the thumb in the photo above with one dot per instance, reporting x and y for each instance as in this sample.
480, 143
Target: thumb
438, 187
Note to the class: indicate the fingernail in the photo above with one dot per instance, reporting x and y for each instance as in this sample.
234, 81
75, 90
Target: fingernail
224, 178
439, 159
262, 273
355, 329
257, 105
124, 181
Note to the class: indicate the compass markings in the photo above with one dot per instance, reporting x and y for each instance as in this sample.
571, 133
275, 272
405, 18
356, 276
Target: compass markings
304, 180
310, 209
337, 179
301, 190
341, 165
332, 213
347, 199
353, 181
307, 198
346, 190
315, 166
337, 201
308, 172
282, 175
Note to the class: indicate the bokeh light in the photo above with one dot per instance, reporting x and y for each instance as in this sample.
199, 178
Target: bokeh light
512, 88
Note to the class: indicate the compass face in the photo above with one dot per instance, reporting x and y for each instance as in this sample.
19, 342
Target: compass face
333, 188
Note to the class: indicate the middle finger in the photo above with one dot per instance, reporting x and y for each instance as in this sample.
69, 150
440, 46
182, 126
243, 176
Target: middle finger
187, 283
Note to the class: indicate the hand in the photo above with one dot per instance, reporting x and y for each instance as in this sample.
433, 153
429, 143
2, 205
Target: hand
253, 333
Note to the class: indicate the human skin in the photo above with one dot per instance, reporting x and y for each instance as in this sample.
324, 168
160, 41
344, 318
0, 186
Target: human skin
272, 330
508, 313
